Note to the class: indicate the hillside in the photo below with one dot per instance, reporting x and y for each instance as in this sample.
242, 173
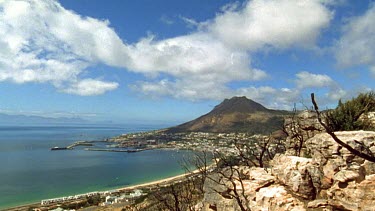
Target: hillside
237, 114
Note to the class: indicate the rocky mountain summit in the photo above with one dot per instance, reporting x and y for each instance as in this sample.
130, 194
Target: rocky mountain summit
237, 114
327, 177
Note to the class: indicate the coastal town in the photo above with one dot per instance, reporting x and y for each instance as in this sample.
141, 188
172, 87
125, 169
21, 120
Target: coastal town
195, 141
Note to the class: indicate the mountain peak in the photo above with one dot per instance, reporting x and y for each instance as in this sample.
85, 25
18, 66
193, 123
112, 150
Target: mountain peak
238, 104
237, 114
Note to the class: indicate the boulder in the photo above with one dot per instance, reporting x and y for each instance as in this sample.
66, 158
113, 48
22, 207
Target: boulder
300, 127
369, 167
323, 148
346, 175
329, 170
261, 193
369, 117
296, 173
353, 195
212, 200
218, 197
276, 197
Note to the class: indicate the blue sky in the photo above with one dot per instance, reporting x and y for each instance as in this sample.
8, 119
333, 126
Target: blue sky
170, 61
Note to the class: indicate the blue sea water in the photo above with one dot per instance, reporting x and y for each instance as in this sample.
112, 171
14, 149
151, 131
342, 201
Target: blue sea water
30, 171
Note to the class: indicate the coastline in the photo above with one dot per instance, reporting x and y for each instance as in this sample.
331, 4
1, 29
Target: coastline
149, 181
165, 181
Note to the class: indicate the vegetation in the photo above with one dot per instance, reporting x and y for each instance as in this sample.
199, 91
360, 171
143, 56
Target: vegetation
347, 116
298, 130
360, 105
225, 175
260, 152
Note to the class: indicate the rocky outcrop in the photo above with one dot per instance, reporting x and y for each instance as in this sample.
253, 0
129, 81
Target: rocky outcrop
260, 191
299, 128
346, 179
369, 118
331, 179
276, 197
332, 157
295, 173
353, 195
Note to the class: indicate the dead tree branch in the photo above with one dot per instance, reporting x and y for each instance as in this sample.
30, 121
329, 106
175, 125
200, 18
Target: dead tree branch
335, 138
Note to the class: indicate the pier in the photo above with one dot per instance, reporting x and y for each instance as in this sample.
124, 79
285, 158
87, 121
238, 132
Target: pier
115, 150
79, 143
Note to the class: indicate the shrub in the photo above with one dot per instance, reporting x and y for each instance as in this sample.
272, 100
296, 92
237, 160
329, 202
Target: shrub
347, 115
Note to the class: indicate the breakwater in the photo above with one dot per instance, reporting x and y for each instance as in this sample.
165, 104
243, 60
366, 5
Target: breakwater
116, 150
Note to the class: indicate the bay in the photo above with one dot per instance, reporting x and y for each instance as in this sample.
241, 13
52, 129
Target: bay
30, 171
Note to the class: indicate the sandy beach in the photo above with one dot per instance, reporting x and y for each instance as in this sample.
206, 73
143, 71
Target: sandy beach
127, 188
158, 182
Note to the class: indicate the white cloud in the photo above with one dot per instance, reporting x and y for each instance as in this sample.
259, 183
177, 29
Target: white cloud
184, 89
271, 97
275, 23
355, 47
219, 52
89, 87
310, 80
191, 23
306, 80
166, 20
43, 42
372, 69
196, 56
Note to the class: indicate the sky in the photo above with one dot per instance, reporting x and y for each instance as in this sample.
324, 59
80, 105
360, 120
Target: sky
170, 61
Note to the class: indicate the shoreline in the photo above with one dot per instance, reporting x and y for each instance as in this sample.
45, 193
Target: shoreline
165, 181
158, 182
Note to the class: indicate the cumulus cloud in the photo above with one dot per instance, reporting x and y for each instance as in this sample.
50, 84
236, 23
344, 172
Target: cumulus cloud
306, 79
275, 23
43, 42
220, 51
88, 87
197, 55
284, 98
271, 97
184, 89
311, 80
355, 47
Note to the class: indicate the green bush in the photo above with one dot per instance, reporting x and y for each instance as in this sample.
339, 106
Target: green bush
347, 115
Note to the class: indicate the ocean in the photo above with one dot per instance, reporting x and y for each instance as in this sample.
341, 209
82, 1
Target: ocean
30, 171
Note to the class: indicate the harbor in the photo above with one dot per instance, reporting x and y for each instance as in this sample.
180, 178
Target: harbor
129, 148
75, 144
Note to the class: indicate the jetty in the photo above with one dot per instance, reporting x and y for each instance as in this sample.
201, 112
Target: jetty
115, 150
78, 143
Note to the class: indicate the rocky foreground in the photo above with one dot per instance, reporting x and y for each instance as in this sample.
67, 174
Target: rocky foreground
328, 177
